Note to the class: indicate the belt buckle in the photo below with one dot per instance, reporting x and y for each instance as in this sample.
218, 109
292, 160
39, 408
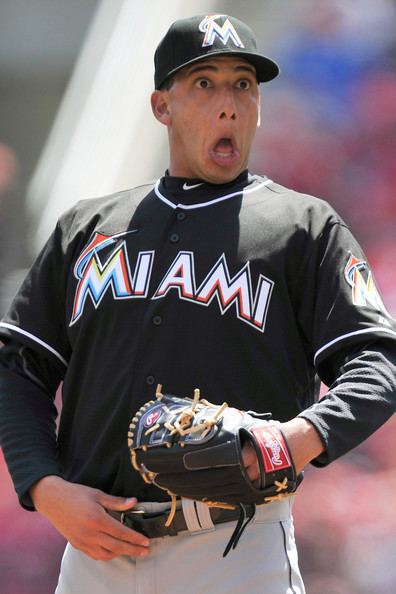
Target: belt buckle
131, 512
143, 522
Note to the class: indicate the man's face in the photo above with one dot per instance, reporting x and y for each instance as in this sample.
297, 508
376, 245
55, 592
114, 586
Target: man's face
212, 113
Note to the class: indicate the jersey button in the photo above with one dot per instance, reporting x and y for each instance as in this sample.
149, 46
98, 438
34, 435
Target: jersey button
157, 320
174, 238
150, 379
181, 216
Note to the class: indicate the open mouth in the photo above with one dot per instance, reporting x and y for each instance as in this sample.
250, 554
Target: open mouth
224, 151
224, 146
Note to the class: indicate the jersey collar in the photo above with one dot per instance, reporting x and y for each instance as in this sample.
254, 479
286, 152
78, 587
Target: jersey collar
187, 193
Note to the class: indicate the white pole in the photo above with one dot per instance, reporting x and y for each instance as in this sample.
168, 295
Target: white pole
105, 137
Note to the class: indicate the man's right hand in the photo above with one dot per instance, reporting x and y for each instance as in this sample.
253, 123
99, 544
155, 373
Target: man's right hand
79, 514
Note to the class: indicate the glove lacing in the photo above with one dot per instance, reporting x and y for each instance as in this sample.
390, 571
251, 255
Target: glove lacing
246, 515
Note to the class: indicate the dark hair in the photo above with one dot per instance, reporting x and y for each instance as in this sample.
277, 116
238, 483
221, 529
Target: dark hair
167, 84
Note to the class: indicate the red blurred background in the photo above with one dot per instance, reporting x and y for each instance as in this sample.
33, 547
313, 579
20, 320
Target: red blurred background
329, 129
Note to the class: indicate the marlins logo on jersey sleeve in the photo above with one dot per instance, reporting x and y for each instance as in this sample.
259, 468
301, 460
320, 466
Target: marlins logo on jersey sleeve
363, 290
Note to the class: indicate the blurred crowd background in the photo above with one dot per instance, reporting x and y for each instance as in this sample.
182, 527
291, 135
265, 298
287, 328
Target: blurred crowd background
328, 129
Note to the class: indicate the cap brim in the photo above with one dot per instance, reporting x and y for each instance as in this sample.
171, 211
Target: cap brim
266, 69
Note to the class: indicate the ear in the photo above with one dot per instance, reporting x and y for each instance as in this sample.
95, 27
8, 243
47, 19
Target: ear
160, 107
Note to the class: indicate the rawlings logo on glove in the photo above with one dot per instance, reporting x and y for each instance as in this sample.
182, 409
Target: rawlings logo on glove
273, 447
194, 449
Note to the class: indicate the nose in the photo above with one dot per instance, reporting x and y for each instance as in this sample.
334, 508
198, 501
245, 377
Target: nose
227, 105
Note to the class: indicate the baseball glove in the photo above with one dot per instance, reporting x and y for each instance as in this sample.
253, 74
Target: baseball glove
192, 448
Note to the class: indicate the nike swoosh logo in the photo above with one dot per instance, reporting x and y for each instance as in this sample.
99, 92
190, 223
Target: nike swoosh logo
188, 187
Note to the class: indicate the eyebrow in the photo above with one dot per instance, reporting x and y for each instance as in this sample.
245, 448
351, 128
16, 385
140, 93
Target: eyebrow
214, 68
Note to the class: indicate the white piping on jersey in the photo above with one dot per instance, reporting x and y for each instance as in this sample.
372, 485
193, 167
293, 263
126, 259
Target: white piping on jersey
209, 202
36, 339
365, 331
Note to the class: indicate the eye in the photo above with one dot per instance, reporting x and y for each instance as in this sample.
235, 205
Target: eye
203, 83
243, 84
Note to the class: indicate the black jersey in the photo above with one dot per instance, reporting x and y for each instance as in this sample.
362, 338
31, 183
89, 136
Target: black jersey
244, 290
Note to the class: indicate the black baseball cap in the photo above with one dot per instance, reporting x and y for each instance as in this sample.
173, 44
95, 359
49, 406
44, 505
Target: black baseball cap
205, 36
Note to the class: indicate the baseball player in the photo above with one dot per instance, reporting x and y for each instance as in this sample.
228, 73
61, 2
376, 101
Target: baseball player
212, 277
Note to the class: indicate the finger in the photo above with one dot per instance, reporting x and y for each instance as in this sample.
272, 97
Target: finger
115, 529
249, 455
250, 459
117, 547
251, 462
116, 503
99, 553
96, 552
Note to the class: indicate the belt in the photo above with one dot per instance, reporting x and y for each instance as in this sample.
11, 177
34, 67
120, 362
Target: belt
152, 525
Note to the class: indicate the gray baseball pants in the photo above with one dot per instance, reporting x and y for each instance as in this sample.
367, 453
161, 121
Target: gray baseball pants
264, 562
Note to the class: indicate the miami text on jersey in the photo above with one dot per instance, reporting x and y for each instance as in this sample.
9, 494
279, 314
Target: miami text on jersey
96, 277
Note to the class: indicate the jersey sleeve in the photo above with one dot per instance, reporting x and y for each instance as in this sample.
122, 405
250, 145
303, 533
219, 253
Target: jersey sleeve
32, 364
340, 304
27, 419
360, 399
36, 317
352, 338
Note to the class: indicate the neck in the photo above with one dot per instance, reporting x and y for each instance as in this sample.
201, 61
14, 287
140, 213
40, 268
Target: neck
189, 179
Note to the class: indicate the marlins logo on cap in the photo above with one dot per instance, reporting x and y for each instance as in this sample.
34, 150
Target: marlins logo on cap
224, 33
209, 36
